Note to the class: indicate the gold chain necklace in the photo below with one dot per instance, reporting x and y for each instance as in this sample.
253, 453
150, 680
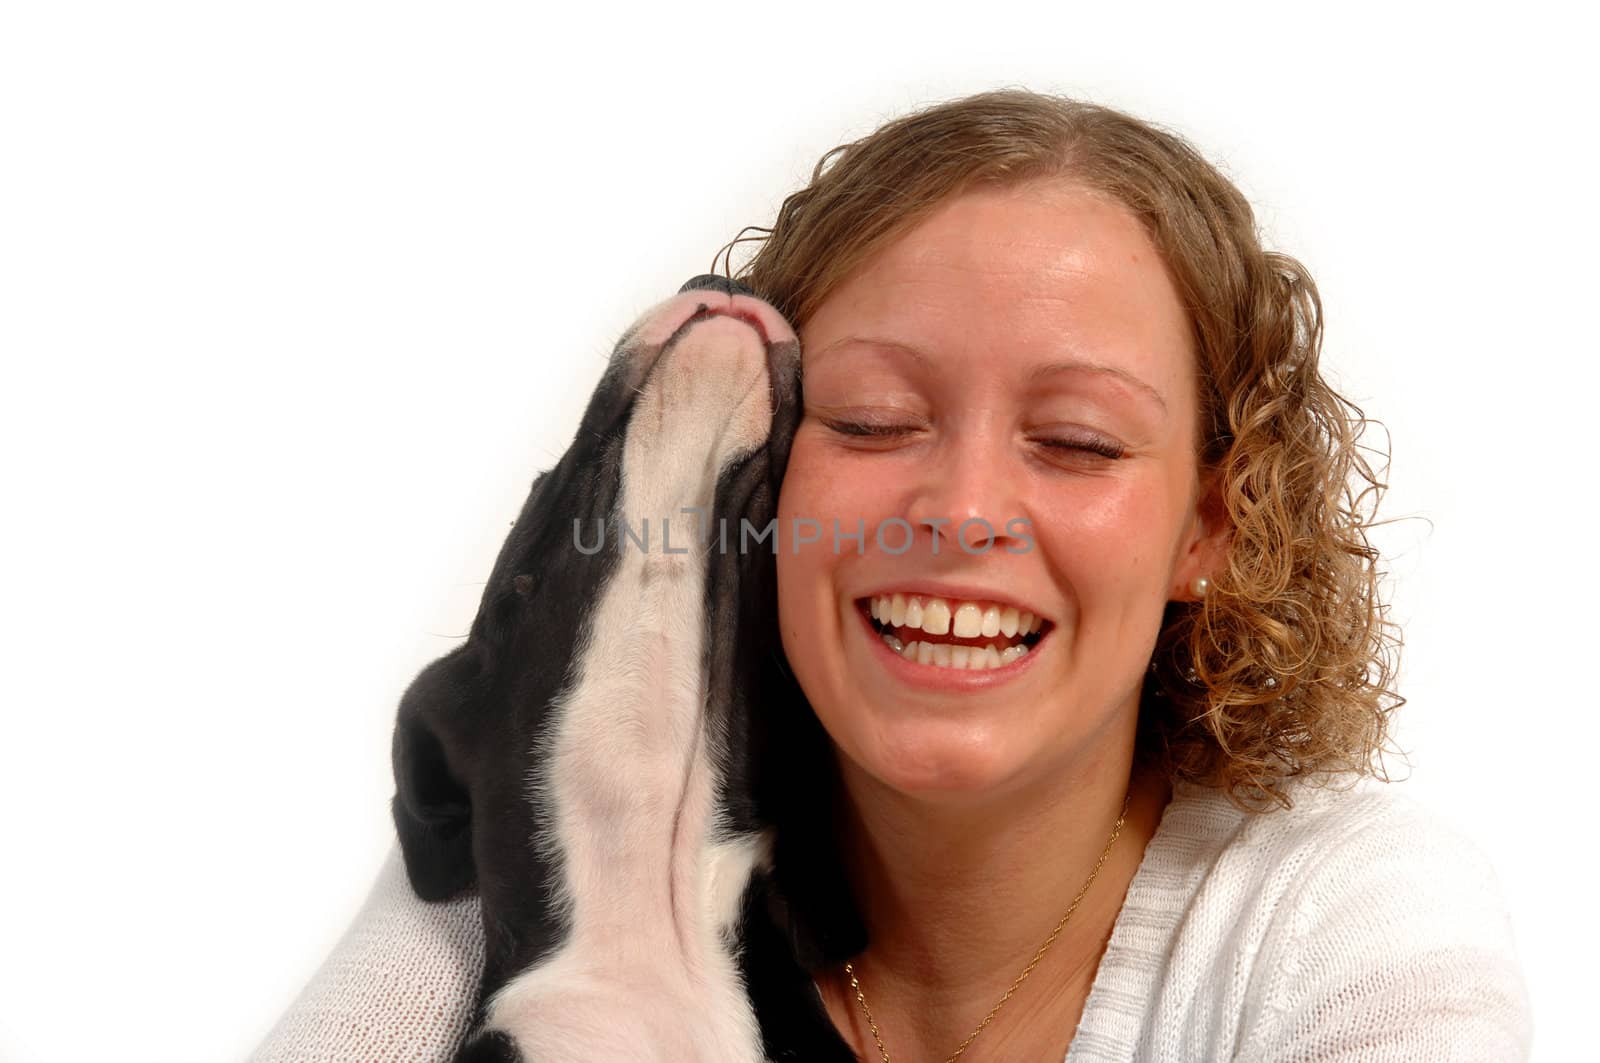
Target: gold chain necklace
861, 997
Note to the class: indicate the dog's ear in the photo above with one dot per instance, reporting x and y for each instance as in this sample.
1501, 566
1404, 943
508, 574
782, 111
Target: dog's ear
432, 807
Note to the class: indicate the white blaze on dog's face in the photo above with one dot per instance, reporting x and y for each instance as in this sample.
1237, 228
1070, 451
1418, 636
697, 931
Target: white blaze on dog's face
1020, 356
652, 871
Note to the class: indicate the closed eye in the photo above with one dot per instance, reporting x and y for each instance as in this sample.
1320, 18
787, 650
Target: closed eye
1095, 445
868, 428
1103, 447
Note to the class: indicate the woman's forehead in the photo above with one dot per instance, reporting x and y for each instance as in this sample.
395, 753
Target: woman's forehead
1034, 279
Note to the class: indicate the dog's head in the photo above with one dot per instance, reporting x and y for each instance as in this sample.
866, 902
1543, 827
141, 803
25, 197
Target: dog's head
690, 424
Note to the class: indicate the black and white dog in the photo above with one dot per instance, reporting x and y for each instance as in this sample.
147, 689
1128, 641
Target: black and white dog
606, 755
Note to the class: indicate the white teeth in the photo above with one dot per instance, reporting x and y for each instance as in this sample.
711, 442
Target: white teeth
963, 619
939, 616
913, 611
944, 655
991, 622
936, 617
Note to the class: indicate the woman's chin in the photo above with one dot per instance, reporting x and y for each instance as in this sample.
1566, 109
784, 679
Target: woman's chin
939, 760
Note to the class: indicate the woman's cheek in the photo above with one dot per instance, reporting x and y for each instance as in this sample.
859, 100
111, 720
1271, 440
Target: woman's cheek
797, 577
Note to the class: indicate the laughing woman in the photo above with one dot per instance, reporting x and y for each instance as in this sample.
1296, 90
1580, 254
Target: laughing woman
1106, 684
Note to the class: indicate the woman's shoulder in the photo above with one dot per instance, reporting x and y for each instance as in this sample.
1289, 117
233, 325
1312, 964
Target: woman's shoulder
1328, 827
1356, 916
1356, 858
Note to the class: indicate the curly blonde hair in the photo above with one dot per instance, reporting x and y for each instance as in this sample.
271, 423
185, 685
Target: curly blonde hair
1286, 667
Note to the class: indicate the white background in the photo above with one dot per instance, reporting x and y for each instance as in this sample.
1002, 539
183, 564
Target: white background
296, 298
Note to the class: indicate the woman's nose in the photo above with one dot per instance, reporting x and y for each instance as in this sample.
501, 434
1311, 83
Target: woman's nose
965, 497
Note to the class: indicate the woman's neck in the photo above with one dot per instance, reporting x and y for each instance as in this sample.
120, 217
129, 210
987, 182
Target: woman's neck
957, 900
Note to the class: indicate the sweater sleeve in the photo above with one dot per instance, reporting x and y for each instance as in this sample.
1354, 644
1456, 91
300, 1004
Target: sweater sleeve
399, 987
1394, 945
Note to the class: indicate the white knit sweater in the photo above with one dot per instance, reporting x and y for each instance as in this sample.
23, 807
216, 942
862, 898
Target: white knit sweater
1354, 926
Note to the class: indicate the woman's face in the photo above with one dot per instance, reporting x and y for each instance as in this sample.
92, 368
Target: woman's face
1022, 357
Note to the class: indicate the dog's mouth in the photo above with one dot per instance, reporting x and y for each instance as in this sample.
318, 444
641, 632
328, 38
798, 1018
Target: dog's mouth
742, 313
945, 633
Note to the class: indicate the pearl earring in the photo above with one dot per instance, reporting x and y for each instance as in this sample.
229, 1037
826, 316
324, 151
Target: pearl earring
1200, 586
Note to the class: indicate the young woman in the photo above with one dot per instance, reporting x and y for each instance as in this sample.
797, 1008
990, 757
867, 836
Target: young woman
1083, 720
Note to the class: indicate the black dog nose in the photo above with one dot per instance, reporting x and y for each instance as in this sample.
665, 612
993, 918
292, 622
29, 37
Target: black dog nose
715, 282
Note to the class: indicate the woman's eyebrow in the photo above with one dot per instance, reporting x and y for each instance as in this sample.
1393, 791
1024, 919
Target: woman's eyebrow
871, 341
1039, 373
1079, 366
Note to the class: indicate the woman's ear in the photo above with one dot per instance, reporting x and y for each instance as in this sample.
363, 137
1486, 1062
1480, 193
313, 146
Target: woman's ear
1204, 550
